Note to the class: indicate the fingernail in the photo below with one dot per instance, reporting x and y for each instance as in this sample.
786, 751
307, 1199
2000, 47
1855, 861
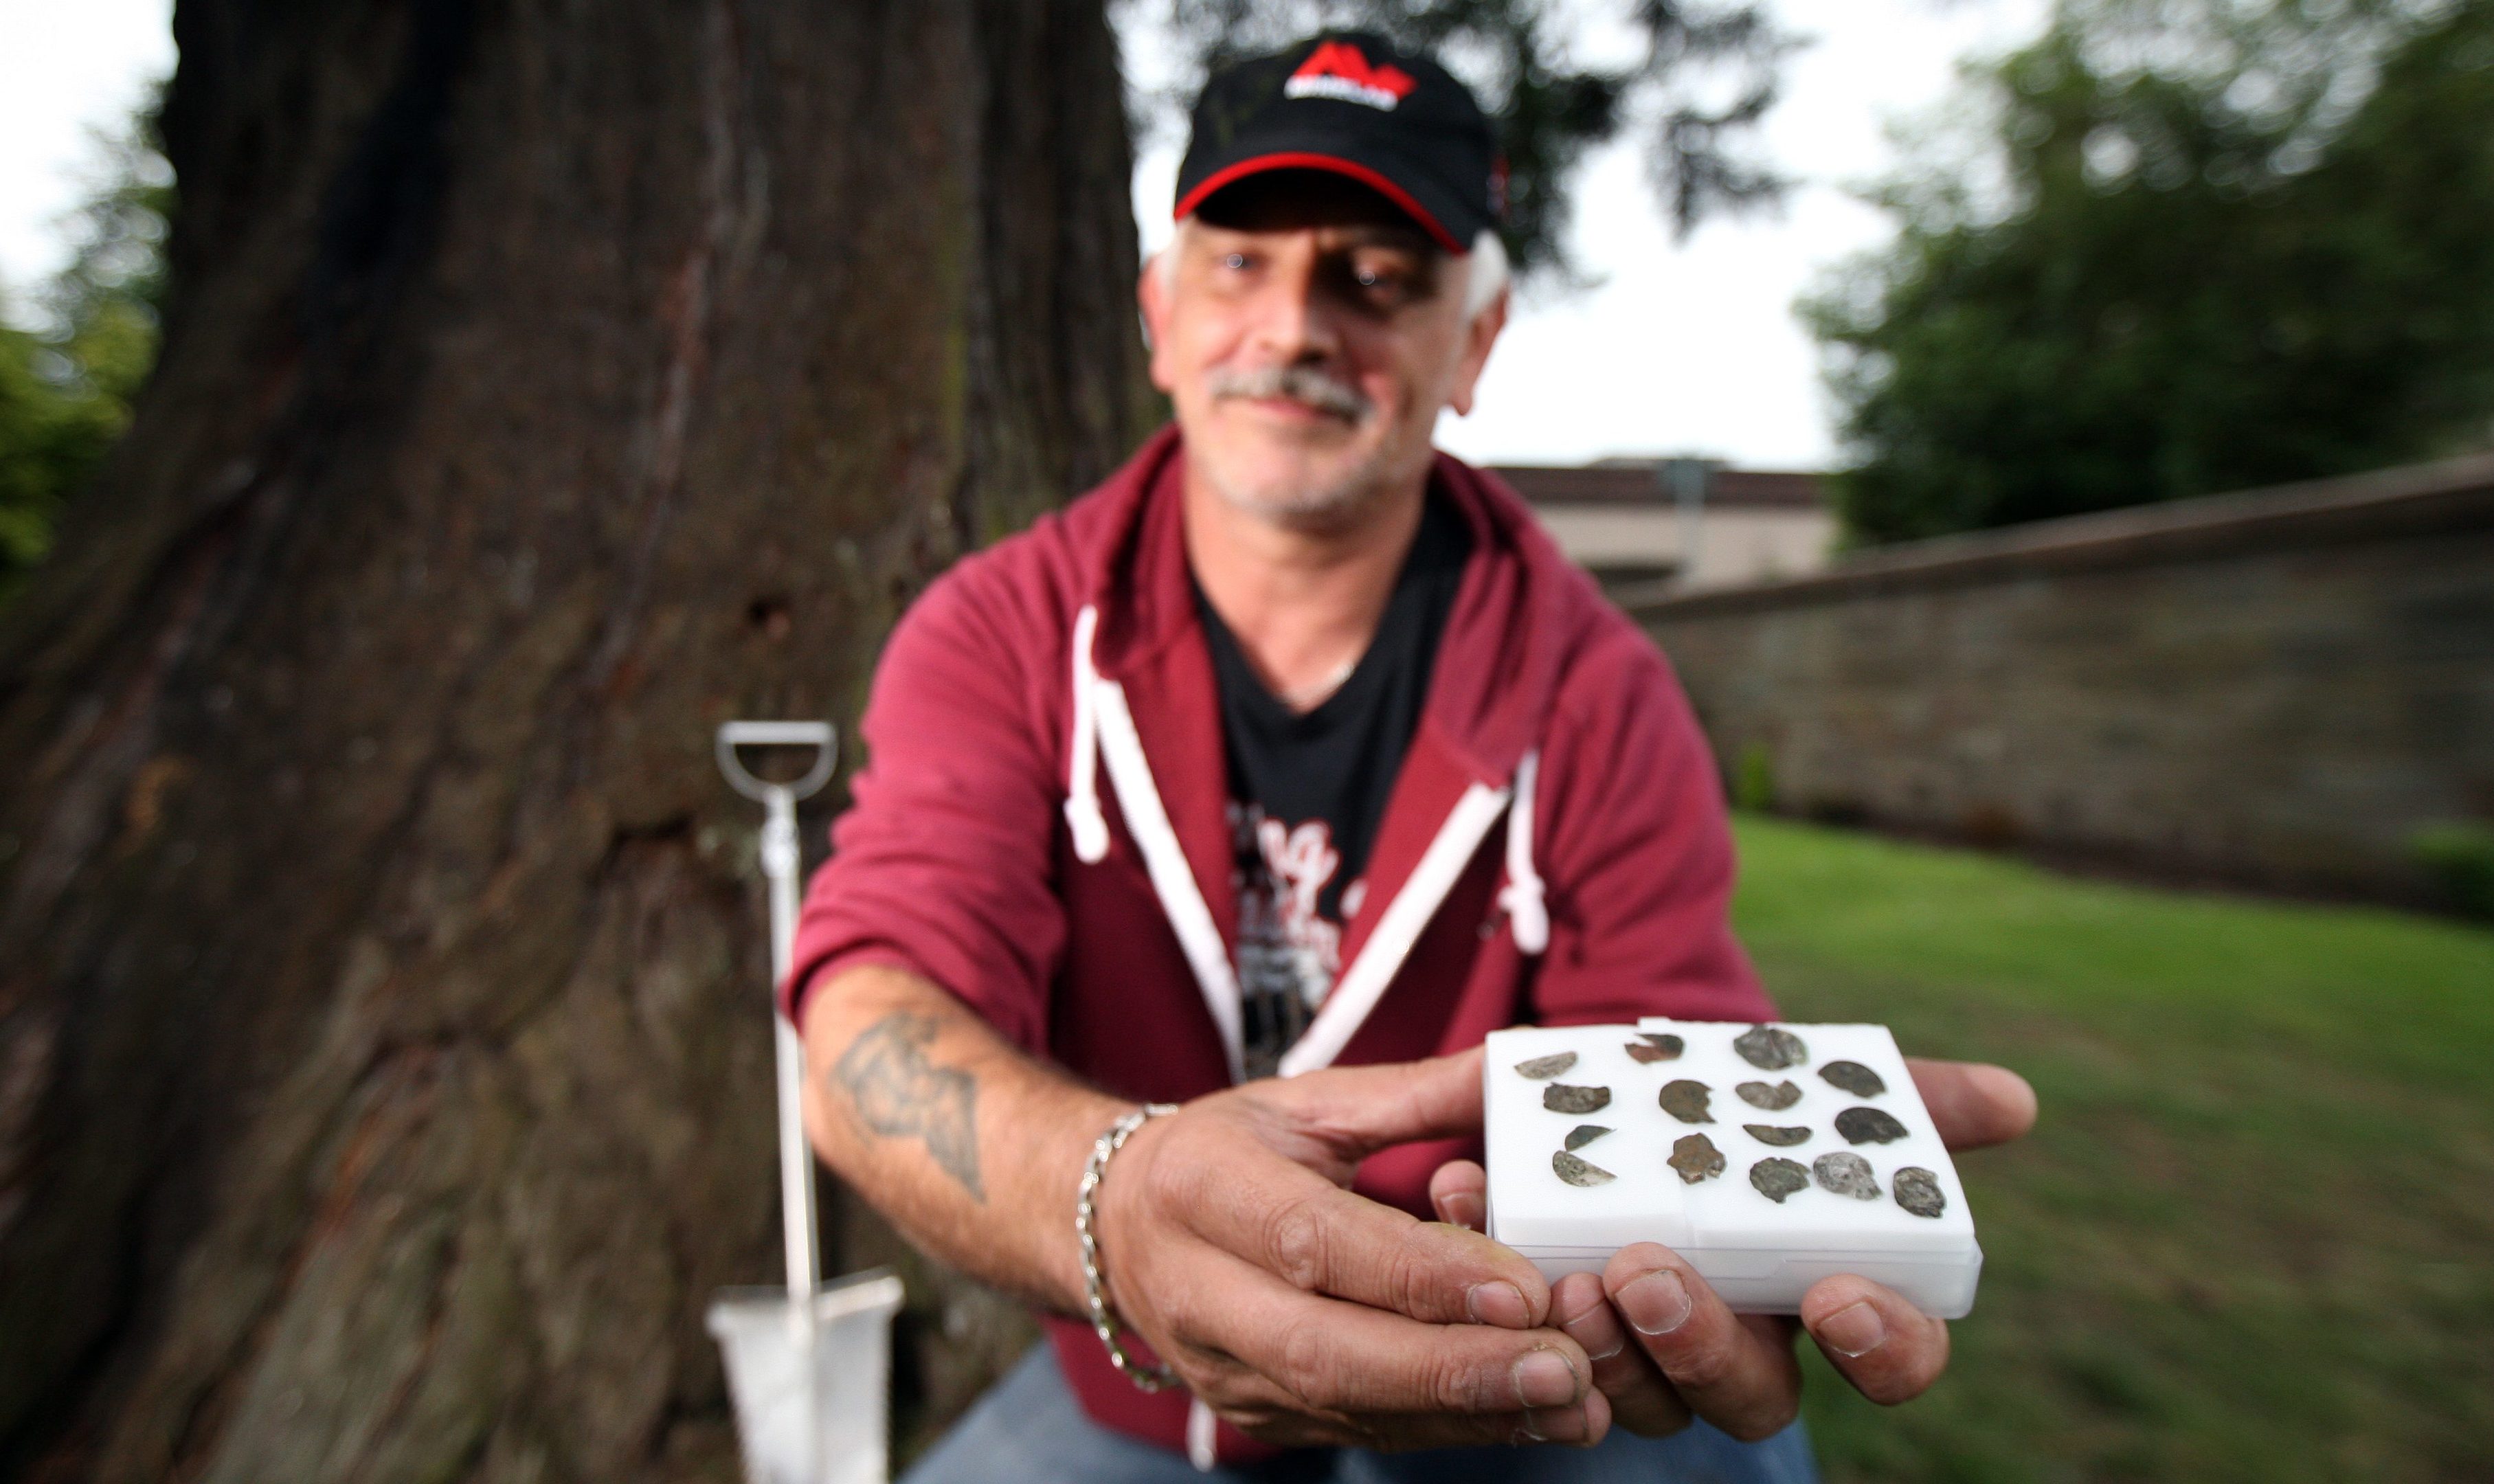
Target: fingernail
1463, 1211
1544, 1378
1657, 1303
1584, 1319
1558, 1424
1853, 1331
1498, 1303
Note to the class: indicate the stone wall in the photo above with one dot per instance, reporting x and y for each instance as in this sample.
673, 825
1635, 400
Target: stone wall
2280, 688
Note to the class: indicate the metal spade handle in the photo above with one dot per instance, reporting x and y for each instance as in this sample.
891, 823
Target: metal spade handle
780, 860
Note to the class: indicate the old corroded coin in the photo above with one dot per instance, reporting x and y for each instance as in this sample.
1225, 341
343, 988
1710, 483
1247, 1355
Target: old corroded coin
1769, 1049
1776, 1179
1696, 1158
1560, 1097
1685, 1101
1551, 1065
1869, 1126
1775, 1098
1854, 1077
1585, 1134
1576, 1171
1845, 1174
1918, 1191
1652, 1046
1769, 1134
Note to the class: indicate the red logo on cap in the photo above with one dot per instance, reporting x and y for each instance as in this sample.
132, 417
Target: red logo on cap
1338, 69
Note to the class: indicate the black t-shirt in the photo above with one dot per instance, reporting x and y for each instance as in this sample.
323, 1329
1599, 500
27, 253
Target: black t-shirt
1308, 789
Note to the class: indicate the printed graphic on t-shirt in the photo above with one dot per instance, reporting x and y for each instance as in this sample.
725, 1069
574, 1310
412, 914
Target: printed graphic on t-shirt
1291, 911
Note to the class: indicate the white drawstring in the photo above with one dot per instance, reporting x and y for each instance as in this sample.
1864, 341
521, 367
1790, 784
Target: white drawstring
1522, 896
1202, 1437
1082, 789
1366, 979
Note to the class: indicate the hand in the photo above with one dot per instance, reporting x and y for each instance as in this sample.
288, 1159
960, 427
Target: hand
1665, 1348
1305, 1314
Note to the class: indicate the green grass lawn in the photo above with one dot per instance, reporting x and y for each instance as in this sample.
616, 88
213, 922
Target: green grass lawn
2252, 1237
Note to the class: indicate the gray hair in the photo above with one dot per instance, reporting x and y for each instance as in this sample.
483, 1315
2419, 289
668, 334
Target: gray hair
1485, 273
1485, 268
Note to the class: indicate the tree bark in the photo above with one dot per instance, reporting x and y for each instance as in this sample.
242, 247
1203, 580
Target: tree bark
384, 1070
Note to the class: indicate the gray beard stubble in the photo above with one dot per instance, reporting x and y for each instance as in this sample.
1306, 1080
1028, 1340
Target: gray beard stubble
1313, 388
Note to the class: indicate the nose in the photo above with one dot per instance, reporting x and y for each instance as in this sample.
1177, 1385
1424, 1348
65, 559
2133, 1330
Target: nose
1292, 324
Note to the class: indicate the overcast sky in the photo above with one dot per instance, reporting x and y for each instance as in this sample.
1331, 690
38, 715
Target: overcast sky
65, 66
1683, 348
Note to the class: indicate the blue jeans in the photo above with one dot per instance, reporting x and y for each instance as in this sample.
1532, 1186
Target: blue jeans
1029, 1429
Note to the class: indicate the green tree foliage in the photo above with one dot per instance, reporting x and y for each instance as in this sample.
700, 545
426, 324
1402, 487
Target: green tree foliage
2205, 245
65, 380
1699, 78
48, 439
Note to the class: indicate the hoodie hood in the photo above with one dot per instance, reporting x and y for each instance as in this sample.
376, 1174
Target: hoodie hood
1506, 636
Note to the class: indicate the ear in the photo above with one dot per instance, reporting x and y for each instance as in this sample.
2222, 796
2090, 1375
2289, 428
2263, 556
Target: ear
1478, 337
1152, 297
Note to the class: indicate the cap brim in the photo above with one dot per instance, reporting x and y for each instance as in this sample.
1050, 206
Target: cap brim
1432, 222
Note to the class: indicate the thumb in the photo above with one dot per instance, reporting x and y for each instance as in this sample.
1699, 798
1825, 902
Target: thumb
1974, 1104
1459, 1193
1358, 1111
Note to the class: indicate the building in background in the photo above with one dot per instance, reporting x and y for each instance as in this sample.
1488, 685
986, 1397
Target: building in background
1679, 525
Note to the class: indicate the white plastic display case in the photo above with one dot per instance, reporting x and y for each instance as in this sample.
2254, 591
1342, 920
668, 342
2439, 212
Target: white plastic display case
1761, 1256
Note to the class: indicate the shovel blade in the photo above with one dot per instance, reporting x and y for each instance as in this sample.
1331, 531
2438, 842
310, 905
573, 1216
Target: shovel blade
809, 1393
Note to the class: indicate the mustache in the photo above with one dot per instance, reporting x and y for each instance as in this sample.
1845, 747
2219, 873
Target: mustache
1303, 384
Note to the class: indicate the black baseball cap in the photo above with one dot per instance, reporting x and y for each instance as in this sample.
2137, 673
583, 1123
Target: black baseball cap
1355, 105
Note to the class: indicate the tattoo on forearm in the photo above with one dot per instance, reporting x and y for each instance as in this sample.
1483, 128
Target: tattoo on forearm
900, 1095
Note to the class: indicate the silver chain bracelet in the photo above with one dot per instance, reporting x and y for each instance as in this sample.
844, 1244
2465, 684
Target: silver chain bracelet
1095, 1289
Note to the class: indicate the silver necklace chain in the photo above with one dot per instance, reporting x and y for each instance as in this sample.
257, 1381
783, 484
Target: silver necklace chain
1095, 1288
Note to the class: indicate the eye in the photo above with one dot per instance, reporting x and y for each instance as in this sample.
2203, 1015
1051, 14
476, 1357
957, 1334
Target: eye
1383, 282
1235, 263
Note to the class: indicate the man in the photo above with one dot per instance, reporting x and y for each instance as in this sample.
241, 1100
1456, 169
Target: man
1265, 780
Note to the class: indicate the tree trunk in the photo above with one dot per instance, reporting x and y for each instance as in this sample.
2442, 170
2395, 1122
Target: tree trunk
384, 1070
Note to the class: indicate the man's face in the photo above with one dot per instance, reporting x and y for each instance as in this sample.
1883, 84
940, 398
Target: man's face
1308, 335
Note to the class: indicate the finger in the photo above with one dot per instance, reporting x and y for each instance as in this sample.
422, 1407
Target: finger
1357, 1110
1973, 1104
1320, 1238
1737, 1375
1585, 1424
1641, 1400
1459, 1193
1581, 1426
1351, 1359
1890, 1350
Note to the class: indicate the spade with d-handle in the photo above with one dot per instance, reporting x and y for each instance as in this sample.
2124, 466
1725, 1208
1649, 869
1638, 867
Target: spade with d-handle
807, 1367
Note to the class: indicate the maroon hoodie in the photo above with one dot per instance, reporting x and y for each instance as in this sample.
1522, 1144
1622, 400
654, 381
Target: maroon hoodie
1041, 830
